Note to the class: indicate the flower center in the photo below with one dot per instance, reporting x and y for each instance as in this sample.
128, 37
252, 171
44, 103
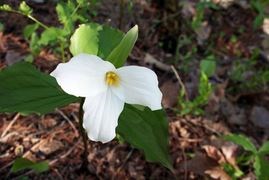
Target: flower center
112, 79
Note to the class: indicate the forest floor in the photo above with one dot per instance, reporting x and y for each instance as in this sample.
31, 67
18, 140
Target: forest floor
238, 104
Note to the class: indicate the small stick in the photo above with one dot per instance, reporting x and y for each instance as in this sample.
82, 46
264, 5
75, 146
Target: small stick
69, 121
124, 162
180, 82
10, 124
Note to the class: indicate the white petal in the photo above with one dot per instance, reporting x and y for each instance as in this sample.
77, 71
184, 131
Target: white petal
83, 75
139, 85
101, 115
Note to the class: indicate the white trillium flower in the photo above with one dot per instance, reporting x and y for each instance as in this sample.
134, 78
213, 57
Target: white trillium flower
106, 89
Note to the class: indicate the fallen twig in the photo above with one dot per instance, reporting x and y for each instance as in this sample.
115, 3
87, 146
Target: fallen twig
10, 124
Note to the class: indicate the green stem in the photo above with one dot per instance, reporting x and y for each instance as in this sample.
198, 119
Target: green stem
75, 10
27, 15
36, 21
83, 135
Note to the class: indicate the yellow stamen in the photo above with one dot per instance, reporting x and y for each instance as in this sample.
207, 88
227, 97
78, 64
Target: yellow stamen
112, 79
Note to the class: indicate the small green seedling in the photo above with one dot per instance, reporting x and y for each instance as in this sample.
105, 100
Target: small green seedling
23, 163
194, 107
254, 156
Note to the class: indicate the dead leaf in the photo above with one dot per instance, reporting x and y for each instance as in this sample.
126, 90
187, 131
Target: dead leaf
149, 59
170, 92
200, 163
218, 173
260, 117
188, 9
265, 26
203, 32
229, 151
48, 122
13, 56
50, 146
224, 3
233, 113
214, 153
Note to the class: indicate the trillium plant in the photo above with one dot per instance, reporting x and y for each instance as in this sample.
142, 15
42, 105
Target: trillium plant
106, 90
115, 100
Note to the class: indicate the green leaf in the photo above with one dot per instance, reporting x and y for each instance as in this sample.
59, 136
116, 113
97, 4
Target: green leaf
148, 131
242, 141
95, 39
49, 35
208, 66
24, 8
109, 38
25, 89
29, 58
22, 164
119, 55
85, 39
261, 166
29, 30
264, 149
64, 10
34, 46
258, 21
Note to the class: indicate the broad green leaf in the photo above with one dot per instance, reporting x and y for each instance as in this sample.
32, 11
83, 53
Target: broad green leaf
49, 35
119, 55
85, 39
208, 66
25, 89
29, 30
148, 131
95, 39
261, 166
109, 38
265, 148
242, 141
22, 164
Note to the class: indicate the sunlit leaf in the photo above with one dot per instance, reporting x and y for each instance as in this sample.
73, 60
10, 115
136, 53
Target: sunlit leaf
119, 55
85, 39
95, 39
